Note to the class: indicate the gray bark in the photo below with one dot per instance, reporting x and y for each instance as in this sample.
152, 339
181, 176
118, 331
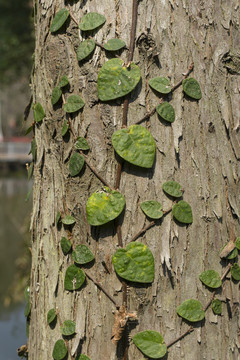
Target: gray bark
200, 150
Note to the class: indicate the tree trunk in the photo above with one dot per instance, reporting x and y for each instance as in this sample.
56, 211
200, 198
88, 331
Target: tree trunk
200, 150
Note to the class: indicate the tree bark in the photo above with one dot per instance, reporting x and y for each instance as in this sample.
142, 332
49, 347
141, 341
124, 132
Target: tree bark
200, 150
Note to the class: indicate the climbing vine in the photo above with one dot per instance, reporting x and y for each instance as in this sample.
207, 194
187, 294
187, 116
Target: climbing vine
133, 263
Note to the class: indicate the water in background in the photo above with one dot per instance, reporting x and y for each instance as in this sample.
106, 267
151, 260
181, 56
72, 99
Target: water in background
14, 222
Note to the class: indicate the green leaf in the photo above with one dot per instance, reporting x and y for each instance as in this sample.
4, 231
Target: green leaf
30, 171
65, 245
104, 206
235, 272
73, 104
82, 255
85, 48
216, 307
211, 279
166, 111
56, 95
27, 293
153, 209
191, 310
150, 343
135, 145
28, 130
237, 243
116, 80
135, 263
60, 350
59, 19
81, 144
233, 254
51, 316
91, 21
76, 164
38, 112
83, 357
172, 188
27, 309
68, 328
65, 127
191, 88
63, 81
58, 217
68, 220
34, 149
160, 84
114, 45
182, 212
74, 278
28, 195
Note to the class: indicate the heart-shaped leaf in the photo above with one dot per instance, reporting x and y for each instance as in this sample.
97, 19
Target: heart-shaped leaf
182, 212
104, 206
68, 220
216, 307
116, 80
211, 279
68, 328
76, 164
160, 84
192, 88
135, 145
172, 188
59, 19
235, 272
38, 112
60, 350
191, 310
166, 111
85, 49
63, 81
91, 21
51, 316
150, 343
83, 357
74, 278
135, 263
114, 45
152, 208
56, 95
65, 245
81, 144
82, 255
65, 128
73, 104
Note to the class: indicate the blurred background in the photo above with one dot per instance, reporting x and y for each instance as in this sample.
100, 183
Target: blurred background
16, 60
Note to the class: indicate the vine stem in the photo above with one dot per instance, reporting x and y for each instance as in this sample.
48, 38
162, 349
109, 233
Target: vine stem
188, 331
72, 17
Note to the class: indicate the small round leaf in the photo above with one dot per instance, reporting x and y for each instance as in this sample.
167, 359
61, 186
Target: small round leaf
235, 272
135, 263
73, 104
65, 245
74, 278
191, 88
38, 112
63, 81
91, 21
68, 328
85, 48
216, 307
76, 164
82, 255
59, 19
237, 243
191, 310
166, 111
114, 45
182, 212
65, 128
150, 343
59, 350
104, 206
152, 209
135, 145
83, 357
81, 144
211, 279
172, 188
51, 316
116, 80
160, 84
68, 220
56, 95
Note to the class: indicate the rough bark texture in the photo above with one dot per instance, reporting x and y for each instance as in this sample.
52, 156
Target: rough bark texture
200, 150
